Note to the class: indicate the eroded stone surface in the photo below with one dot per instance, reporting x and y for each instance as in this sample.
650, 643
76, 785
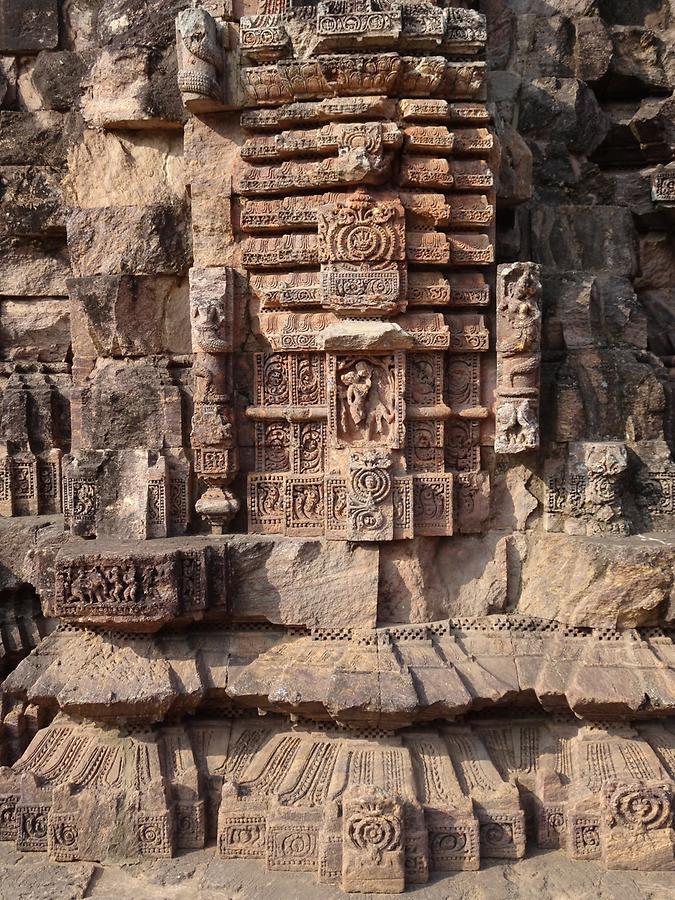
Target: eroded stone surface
252, 289
445, 800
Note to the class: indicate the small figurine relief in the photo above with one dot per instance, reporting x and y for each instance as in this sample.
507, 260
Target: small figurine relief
30, 484
211, 302
213, 439
109, 591
80, 505
518, 357
366, 407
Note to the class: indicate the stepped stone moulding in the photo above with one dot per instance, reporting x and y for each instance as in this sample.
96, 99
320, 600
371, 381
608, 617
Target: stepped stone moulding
365, 809
368, 418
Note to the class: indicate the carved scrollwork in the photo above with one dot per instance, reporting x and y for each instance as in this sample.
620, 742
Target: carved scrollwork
639, 806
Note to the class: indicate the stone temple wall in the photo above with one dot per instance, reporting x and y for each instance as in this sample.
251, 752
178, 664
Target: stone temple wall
337, 499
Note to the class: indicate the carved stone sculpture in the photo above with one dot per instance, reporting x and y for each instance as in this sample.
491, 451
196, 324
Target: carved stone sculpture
518, 358
336, 536
213, 432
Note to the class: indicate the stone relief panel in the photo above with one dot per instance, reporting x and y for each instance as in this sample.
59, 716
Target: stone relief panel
518, 358
586, 493
357, 203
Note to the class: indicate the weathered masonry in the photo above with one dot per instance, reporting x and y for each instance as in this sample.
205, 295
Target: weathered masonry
336, 354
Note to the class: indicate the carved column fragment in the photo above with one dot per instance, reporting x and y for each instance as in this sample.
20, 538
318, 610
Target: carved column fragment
518, 357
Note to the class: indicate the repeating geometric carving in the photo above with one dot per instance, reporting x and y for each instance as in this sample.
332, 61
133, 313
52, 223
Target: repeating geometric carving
363, 257
364, 808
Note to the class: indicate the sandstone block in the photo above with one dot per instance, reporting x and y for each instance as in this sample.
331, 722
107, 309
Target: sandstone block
147, 240
430, 578
637, 65
592, 310
57, 78
125, 168
592, 49
33, 268
126, 404
129, 316
633, 12
562, 109
515, 171
314, 581
594, 239
35, 329
660, 308
30, 200
35, 139
639, 135
128, 495
131, 88
582, 411
551, 39
657, 261
142, 23
27, 26
598, 581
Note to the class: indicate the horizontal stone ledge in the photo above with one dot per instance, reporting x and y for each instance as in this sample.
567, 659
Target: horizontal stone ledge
389, 677
169, 582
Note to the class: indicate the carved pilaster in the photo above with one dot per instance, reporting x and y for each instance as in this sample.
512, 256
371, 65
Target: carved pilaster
518, 357
213, 435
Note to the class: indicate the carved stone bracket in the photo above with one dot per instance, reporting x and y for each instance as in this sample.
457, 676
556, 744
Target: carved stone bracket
200, 60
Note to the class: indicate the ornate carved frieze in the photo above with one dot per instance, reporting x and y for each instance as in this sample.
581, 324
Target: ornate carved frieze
143, 592
363, 809
416, 229
371, 138
389, 74
30, 484
169, 495
263, 37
